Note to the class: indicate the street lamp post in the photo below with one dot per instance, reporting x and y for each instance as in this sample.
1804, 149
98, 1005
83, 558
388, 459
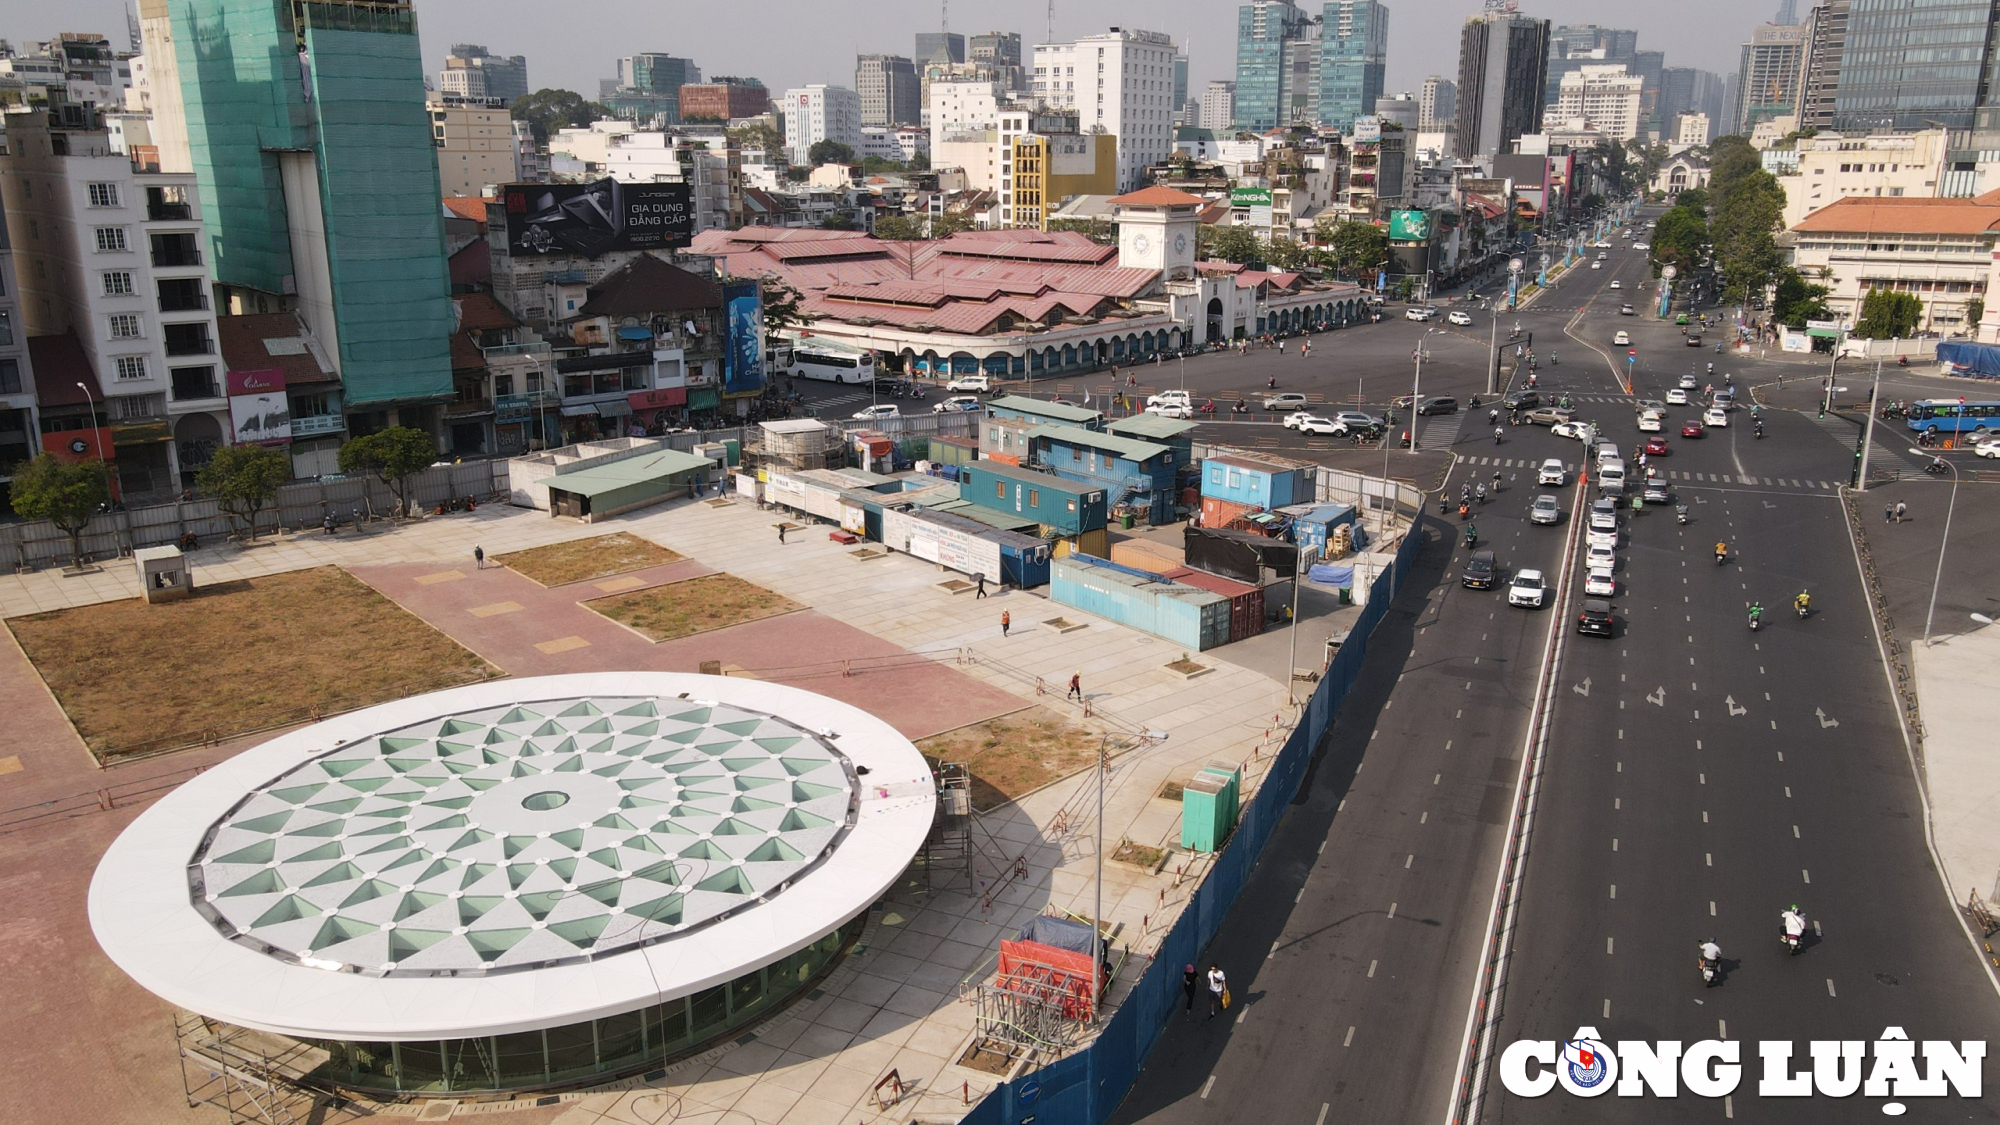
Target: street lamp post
95, 442
1416, 381
1938, 579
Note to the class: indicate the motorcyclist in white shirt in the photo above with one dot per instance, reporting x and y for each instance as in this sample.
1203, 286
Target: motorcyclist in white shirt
1795, 926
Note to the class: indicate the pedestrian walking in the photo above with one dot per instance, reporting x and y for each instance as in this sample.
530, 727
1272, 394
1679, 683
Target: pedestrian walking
1888, 513
479, 558
1190, 984
1218, 991
1902, 510
781, 534
980, 590
1006, 622
1075, 687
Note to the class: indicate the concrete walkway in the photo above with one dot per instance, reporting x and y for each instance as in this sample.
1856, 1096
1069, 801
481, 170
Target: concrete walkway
1961, 711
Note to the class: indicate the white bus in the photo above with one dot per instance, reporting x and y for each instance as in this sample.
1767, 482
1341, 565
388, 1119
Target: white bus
832, 363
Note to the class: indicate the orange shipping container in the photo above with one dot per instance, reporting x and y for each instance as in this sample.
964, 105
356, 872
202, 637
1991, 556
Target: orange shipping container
1147, 555
1220, 513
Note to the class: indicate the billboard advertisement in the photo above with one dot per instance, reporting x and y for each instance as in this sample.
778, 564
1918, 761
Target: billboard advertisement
1409, 226
259, 413
1367, 130
743, 342
1250, 197
597, 218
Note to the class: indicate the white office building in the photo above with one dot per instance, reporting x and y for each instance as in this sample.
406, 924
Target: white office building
1218, 106
1601, 96
820, 113
1121, 82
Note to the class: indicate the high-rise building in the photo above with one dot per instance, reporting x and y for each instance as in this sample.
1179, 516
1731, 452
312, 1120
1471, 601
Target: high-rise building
1048, 161
1580, 45
1819, 72
648, 88
1126, 90
1648, 66
1218, 106
1437, 104
887, 85
469, 72
475, 143
820, 113
1602, 96
724, 98
999, 52
930, 44
1788, 12
1502, 62
1402, 110
1767, 83
1354, 50
1904, 65
317, 172
1263, 27
1300, 96
1181, 79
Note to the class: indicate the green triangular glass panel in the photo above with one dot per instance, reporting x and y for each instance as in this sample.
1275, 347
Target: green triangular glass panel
368, 784
686, 736
750, 804
472, 908
448, 802
386, 846
581, 707
642, 844
463, 765
741, 727
474, 872
392, 742
812, 790
428, 780
662, 872
414, 855
718, 749
403, 794
262, 883
492, 944
613, 820
639, 802
471, 836
388, 813
416, 902
568, 838
539, 903
269, 822
703, 849
337, 929
368, 891
321, 830
493, 757
774, 851
778, 745
523, 769
439, 866
337, 808
564, 867
632, 783
480, 783
547, 730
392, 828
647, 728
448, 749
797, 766
698, 715
571, 764
404, 944
671, 827
689, 767
341, 767
404, 765
566, 746
515, 845
608, 857
643, 707
581, 932
517, 873
666, 911
297, 794
456, 820
459, 726
339, 873
745, 784
520, 715
263, 851
730, 826
601, 726
729, 881
291, 908
329, 850
497, 736
605, 892
612, 770
798, 819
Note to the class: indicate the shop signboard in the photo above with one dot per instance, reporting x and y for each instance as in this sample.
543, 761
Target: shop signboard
596, 218
259, 413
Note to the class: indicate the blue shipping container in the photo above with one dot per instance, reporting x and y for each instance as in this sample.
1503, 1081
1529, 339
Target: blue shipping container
1196, 619
1310, 530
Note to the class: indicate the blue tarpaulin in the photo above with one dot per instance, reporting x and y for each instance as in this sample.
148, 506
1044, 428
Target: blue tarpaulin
1979, 361
1328, 574
1059, 932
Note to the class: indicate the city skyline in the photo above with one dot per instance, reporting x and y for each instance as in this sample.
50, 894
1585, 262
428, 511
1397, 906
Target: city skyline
820, 43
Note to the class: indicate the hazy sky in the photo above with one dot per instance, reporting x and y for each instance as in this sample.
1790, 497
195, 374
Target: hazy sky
792, 42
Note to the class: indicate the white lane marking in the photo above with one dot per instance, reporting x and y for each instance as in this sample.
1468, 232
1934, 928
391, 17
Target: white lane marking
1607, 1007
1297, 897
1408, 860
1347, 1042
1436, 777
1795, 831
1607, 946
1322, 847
1805, 874
1722, 1029
1704, 816
1614, 890
1735, 710
1788, 791
1392, 910
1708, 859
1324, 1106
1371, 969
1614, 843
1729, 1107
1711, 908
1207, 1086
1425, 819
1829, 987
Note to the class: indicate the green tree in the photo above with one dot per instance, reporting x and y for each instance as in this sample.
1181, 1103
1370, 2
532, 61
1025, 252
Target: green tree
829, 152
873, 165
1798, 300
548, 110
244, 479
1644, 161
1745, 207
1681, 239
1975, 311
1354, 249
1228, 244
1888, 315
1406, 288
65, 493
761, 136
1101, 231
1287, 254
838, 221
781, 305
900, 228
921, 162
394, 455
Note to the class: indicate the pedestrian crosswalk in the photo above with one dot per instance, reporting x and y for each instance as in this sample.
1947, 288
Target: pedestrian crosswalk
1740, 480
1437, 431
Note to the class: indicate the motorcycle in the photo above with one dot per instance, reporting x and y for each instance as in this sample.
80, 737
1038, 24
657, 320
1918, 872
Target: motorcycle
1721, 557
1681, 513
1760, 431
1444, 506
1804, 609
1471, 538
1902, 361
1756, 620
1711, 969
1936, 469
1791, 941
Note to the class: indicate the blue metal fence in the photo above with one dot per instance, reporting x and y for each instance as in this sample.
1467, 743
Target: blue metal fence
1085, 1087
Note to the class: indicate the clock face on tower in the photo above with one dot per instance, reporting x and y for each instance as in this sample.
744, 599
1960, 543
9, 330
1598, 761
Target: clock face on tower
1180, 244
1141, 243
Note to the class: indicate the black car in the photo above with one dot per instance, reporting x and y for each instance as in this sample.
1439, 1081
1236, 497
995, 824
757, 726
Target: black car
1522, 400
1694, 339
1440, 404
1481, 571
1595, 620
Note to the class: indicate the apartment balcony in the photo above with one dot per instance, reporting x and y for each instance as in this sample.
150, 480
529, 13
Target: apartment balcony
311, 424
162, 212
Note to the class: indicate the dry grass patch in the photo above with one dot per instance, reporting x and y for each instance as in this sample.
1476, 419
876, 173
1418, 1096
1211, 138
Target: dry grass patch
580, 560
682, 609
235, 658
1015, 754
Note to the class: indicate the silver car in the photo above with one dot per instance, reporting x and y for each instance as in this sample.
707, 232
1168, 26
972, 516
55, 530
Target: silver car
1546, 509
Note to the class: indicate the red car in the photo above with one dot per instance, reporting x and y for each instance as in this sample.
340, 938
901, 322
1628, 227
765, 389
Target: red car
1656, 447
1692, 430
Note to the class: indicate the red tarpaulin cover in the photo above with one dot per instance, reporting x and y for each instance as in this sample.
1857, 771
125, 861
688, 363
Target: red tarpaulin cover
1030, 966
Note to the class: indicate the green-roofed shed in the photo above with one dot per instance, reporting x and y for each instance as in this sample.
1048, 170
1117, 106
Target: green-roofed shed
607, 490
1043, 411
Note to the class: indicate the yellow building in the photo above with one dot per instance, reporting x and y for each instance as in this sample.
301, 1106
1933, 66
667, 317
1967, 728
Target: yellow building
1051, 169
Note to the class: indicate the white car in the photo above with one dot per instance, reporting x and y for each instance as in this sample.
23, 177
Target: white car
970, 383
1313, 424
1579, 430
1357, 420
1601, 245
1616, 284
1527, 589
1600, 584
1600, 557
1689, 382
1170, 409
1289, 400
1170, 398
1642, 246
878, 411
1649, 423
1621, 338
1677, 397
1462, 319
1552, 472
1604, 517
958, 404
1597, 265
1420, 314
1599, 538
1987, 449
1715, 417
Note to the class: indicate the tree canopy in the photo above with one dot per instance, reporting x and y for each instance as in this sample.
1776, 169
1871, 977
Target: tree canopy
1798, 300
244, 479
549, 109
65, 493
829, 151
1746, 205
1889, 315
394, 455
1352, 249
1681, 238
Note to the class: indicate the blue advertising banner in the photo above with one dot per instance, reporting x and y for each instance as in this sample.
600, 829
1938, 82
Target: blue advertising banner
743, 353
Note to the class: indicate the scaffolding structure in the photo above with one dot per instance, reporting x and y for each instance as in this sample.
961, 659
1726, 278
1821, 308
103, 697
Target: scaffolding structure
252, 1077
948, 851
1036, 1007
